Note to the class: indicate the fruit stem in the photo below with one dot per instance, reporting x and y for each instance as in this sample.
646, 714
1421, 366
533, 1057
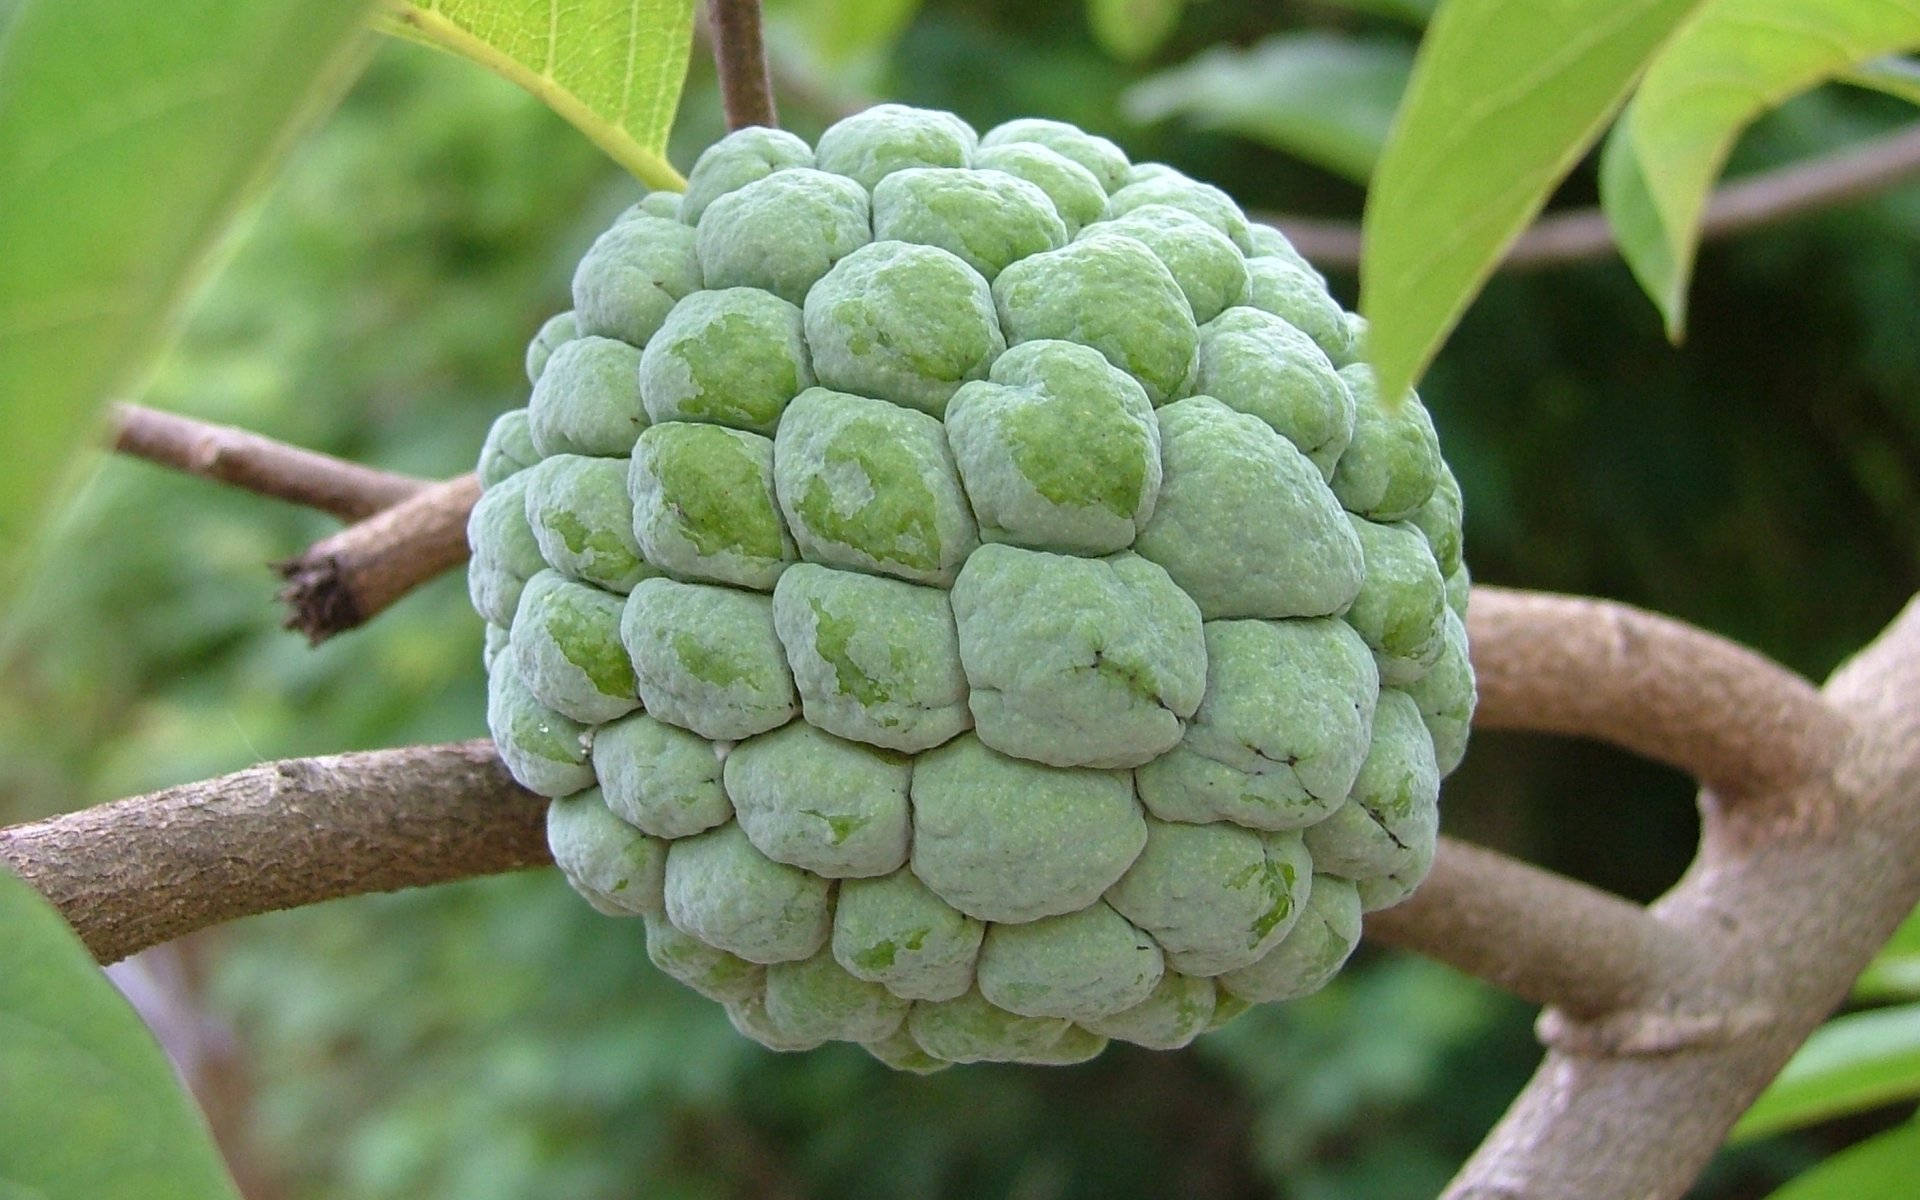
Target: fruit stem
740, 53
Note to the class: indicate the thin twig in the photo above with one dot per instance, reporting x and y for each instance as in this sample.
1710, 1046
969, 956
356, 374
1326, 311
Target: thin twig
258, 464
740, 55
1583, 235
346, 580
406, 530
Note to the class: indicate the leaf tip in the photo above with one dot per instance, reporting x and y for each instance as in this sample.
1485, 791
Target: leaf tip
1673, 314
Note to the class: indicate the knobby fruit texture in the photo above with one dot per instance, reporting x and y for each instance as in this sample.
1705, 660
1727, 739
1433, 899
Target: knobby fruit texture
964, 596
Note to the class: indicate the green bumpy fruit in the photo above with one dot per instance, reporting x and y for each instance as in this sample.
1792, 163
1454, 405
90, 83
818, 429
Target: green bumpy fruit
965, 595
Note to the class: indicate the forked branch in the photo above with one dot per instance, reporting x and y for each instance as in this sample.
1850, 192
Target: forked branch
406, 531
349, 578
1667, 1023
1633, 1108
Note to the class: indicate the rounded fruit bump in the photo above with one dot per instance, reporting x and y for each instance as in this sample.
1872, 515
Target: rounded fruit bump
965, 594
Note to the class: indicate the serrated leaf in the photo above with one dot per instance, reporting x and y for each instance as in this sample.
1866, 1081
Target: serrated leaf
1505, 98
1733, 61
90, 1109
1132, 29
1325, 98
1880, 1168
130, 136
1897, 77
1851, 1063
613, 68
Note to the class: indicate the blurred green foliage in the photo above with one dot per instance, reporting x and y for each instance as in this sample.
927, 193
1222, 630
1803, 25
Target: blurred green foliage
89, 1105
1326, 98
1853, 1063
498, 1039
160, 124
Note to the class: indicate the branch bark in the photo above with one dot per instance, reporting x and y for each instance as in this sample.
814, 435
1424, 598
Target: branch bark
1583, 235
406, 531
1545, 938
149, 869
740, 55
258, 464
1738, 722
1635, 1107
346, 580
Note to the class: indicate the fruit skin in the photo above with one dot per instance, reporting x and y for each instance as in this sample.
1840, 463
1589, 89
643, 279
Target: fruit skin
965, 596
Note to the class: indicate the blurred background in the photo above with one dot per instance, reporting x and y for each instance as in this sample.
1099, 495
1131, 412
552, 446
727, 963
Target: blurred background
498, 1039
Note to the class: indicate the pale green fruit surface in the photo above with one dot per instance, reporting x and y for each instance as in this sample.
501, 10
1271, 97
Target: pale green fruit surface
963, 594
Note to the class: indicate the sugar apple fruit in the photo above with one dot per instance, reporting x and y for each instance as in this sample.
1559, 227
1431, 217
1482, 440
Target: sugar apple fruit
964, 595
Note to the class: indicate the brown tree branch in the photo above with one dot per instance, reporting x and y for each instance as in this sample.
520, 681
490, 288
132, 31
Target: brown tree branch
345, 580
406, 531
1583, 235
1733, 719
1548, 939
258, 464
142, 871
1543, 937
1670, 1020
1621, 1110
740, 55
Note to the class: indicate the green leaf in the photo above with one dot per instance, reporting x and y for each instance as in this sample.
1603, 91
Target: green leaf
1851, 1063
1132, 29
1880, 1168
90, 1109
613, 68
1735, 60
1897, 77
1325, 98
1894, 973
130, 136
1631, 210
1504, 100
